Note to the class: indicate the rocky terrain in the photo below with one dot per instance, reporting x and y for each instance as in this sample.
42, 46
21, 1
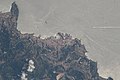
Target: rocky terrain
27, 57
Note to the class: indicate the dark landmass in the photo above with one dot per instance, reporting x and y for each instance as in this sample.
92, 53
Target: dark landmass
27, 57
